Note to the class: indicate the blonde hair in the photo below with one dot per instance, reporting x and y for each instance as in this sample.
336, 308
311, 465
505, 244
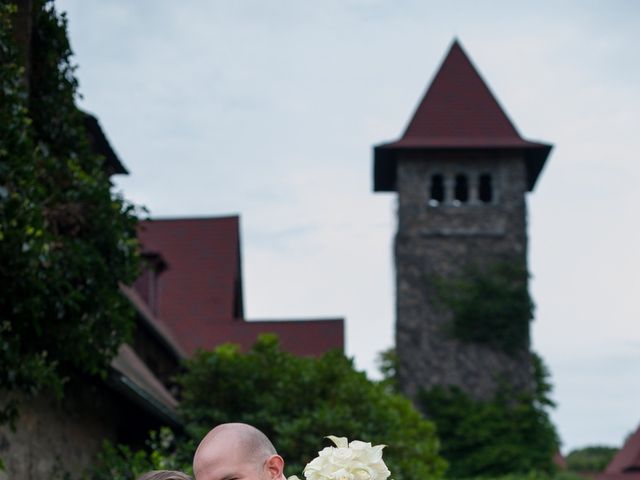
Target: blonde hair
164, 475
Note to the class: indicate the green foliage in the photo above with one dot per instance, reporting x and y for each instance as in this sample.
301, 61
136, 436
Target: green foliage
119, 462
66, 242
490, 306
590, 459
532, 475
298, 401
387, 363
511, 433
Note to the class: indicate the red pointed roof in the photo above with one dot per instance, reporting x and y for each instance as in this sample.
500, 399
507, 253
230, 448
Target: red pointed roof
459, 107
627, 460
457, 112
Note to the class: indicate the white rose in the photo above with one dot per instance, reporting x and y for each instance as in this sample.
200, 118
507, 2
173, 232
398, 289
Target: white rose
342, 456
342, 474
381, 470
313, 468
362, 472
358, 445
326, 451
375, 454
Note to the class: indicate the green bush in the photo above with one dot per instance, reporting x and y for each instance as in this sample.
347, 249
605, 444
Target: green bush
509, 434
119, 462
533, 475
590, 459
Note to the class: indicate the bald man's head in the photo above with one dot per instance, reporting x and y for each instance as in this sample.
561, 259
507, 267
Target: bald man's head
237, 451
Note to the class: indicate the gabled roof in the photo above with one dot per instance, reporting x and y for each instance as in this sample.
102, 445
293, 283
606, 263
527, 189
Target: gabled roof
201, 286
458, 112
200, 293
101, 145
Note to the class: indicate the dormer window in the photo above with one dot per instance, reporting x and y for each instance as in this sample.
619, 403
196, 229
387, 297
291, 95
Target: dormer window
436, 190
147, 283
461, 189
485, 188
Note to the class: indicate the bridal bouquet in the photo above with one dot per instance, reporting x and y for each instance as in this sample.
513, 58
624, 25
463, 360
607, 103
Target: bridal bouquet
354, 460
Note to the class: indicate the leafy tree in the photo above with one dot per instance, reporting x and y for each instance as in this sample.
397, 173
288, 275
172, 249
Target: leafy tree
590, 459
387, 363
66, 242
297, 401
509, 434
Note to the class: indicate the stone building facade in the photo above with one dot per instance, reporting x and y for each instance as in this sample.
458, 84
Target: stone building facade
461, 172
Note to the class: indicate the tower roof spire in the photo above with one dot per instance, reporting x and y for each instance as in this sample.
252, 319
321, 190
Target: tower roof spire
459, 107
458, 111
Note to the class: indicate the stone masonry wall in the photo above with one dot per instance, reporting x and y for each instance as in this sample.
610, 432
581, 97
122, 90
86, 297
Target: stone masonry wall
51, 435
440, 242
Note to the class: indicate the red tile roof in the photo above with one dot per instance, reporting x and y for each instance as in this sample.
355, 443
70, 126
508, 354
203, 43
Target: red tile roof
458, 111
300, 337
628, 458
559, 460
199, 295
619, 476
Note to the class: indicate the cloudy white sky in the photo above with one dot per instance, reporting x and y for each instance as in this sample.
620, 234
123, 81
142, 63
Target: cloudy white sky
269, 109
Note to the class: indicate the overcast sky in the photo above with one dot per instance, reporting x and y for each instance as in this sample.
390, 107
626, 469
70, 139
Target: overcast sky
269, 109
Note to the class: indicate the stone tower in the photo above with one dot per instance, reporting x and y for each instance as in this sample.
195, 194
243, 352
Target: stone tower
461, 171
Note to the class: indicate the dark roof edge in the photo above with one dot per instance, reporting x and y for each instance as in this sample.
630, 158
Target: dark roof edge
384, 169
295, 320
101, 145
140, 397
194, 217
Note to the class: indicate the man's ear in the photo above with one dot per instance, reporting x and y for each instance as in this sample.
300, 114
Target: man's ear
275, 467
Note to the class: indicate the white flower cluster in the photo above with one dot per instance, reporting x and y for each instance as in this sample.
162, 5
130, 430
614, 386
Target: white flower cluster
348, 461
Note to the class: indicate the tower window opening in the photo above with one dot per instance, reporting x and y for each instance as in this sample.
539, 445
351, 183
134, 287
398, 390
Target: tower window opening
461, 191
485, 188
436, 191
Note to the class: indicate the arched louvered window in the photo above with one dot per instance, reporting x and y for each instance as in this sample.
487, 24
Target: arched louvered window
436, 189
461, 189
485, 188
